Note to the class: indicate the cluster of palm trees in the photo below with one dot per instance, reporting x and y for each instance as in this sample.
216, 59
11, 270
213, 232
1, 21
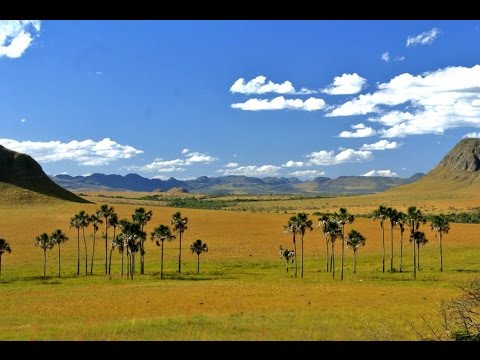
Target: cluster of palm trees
4, 249
130, 239
333, 228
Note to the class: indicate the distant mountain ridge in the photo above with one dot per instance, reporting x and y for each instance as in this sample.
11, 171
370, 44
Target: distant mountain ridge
236, 184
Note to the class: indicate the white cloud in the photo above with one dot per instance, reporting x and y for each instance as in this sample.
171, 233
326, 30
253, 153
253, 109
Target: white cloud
280, 103
425, 38
16, 36
24, 120
87, 152
252, 170
361, 131
259, 85
185, 151
386, 56
231, 165
472, 135
99, 73
346, 84
161, 165
381, 145
196, 157
424, 104
385, 173
292, 163
324, 157
307, 174
399, 58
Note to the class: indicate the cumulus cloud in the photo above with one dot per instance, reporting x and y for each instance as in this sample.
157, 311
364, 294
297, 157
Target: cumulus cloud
386, 56
385, 173
24, 120
472, 135
259, 85
307, 174
16, 36
252, 170
292, 163
280, 103
231, 165
429, 103
360, 131
425, 38
87, 152
324, 157
185, 151
346, 84
381, 145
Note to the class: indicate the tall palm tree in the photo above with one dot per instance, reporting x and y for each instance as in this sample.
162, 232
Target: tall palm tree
131, 235
334, 232
441, 226
142, 217
76, 222
304, 224
113, 222
160, 234
286, 255
414, 219
381, 214
106, 212
45, 243
198, 247
354, 240
418, 238
179, 225
95, 221
343, 217
117, 242
401, 220
4, 249
84, 222
58, 237
392, 215
293, 228
322, 221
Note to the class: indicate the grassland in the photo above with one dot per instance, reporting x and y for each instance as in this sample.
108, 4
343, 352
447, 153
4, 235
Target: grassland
242, 292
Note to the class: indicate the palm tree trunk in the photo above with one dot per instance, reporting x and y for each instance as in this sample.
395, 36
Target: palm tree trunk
198, 263
122, 262
132, 270
343, 250
78, 251
286, 263
0, 265
142, 255
326, 259
355, 261
383, 249
59, 260
86, 254
333, 261
414, 262
441, 254
45, 264
391, 247
110, 261
180, 254
418, 256
128, 263
161, 264
106, 250
401, 250
295, 251
93, 254
302, 255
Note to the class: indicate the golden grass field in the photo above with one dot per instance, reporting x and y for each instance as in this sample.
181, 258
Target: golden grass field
242, 291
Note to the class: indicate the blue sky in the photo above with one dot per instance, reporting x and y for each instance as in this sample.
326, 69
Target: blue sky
260, 98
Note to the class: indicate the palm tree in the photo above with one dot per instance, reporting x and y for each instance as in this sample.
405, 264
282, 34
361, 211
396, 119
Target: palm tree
354, 240
45, 243
392, 215
293, 228
76, 222
401, 219
334, 232
304, 224
141, 217
94, 220
106, 212
179, 225
58, 237
198, 247
322, 221
84, 219
286, 255
160, 234
113, 222
441, 226
4, 249
418, 238
117, 242
131, 235
414, 219
343, 217
381, 214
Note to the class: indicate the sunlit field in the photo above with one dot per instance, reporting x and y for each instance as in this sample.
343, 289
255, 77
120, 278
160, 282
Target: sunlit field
243, 291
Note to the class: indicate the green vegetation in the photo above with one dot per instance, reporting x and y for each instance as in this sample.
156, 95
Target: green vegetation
198, 247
